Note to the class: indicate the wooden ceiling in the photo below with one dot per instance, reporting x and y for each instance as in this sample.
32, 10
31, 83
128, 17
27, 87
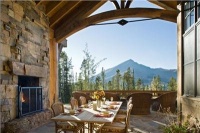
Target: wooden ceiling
68, 17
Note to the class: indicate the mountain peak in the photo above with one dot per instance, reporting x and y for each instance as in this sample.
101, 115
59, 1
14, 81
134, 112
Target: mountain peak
140, 71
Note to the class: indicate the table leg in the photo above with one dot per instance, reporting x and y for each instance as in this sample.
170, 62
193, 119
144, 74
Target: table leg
91, 128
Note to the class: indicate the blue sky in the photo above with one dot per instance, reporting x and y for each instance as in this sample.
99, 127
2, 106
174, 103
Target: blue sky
152, 43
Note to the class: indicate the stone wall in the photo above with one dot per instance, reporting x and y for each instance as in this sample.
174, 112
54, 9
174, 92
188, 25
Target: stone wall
24, 50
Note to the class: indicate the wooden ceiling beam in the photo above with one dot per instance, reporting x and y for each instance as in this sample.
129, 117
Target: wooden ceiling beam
38, 2
168, 5
65, 31
41, 2
84, 10
56, 9
64, 10
51, 6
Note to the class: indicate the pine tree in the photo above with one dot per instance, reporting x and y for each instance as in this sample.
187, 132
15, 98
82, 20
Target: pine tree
118, 79
110, 86
133, 79
172, 84
88, 69
156, 83
103, 77
65, 65
139, 84
98, 83
128, 80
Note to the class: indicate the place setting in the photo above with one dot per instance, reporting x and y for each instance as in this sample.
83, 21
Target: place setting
104, 114
74, 112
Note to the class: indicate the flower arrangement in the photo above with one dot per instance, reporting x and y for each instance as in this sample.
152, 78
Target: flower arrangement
98, 95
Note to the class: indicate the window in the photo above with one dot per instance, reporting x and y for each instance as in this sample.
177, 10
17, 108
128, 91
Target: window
198, 7
189, 13
191, 48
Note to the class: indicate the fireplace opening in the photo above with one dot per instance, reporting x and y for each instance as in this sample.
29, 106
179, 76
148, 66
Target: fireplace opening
29, 95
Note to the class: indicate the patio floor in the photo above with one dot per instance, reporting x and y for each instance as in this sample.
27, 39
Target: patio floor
152, 123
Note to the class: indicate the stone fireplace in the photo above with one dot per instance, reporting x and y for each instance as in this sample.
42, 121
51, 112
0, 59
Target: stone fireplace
29, 95
24, 58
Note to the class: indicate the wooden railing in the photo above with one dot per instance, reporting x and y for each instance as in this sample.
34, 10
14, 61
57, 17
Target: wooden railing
125, 93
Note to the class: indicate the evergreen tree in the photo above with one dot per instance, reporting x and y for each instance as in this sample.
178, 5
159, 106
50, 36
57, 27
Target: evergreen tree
128, 80
139, 84
98, 83
80, 82
88, 69
110, 85
113, 83
65, 65
103, 77
156, 83
133, 79
172, 84
118, 79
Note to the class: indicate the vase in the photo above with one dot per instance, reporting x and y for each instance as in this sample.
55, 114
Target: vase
98, 103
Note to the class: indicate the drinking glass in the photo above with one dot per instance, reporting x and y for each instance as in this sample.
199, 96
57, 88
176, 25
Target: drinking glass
94, 105
111, 98
89, 103
104, 99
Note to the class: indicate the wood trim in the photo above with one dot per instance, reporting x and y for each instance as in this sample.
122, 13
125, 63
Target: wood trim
116, 4
122, 4
128, 3
53, 77
67, 29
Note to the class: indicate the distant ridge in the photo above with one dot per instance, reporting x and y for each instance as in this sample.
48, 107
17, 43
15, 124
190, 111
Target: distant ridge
141, 71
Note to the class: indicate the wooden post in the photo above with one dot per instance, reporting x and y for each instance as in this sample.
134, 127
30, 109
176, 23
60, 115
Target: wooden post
179, 63
53, 92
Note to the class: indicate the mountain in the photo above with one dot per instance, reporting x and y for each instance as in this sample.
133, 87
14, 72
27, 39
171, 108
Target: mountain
141, 71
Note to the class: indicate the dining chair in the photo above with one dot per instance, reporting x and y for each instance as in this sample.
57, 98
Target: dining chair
58, 109
83, 100
118, 127
165, 101
73, 103
142, 103
121, 117
124, 111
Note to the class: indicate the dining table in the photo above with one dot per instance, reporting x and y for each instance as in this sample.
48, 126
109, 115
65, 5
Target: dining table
86, 114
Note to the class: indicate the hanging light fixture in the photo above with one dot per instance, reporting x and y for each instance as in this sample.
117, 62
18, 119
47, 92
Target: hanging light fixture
123, 22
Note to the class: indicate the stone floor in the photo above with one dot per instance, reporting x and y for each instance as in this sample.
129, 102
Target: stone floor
152, 123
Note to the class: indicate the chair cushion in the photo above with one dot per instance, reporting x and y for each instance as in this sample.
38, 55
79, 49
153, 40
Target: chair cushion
66, 125
120, 118
115, 127
122, 111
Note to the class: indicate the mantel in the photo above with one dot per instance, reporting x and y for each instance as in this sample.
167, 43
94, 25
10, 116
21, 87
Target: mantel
19, 68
